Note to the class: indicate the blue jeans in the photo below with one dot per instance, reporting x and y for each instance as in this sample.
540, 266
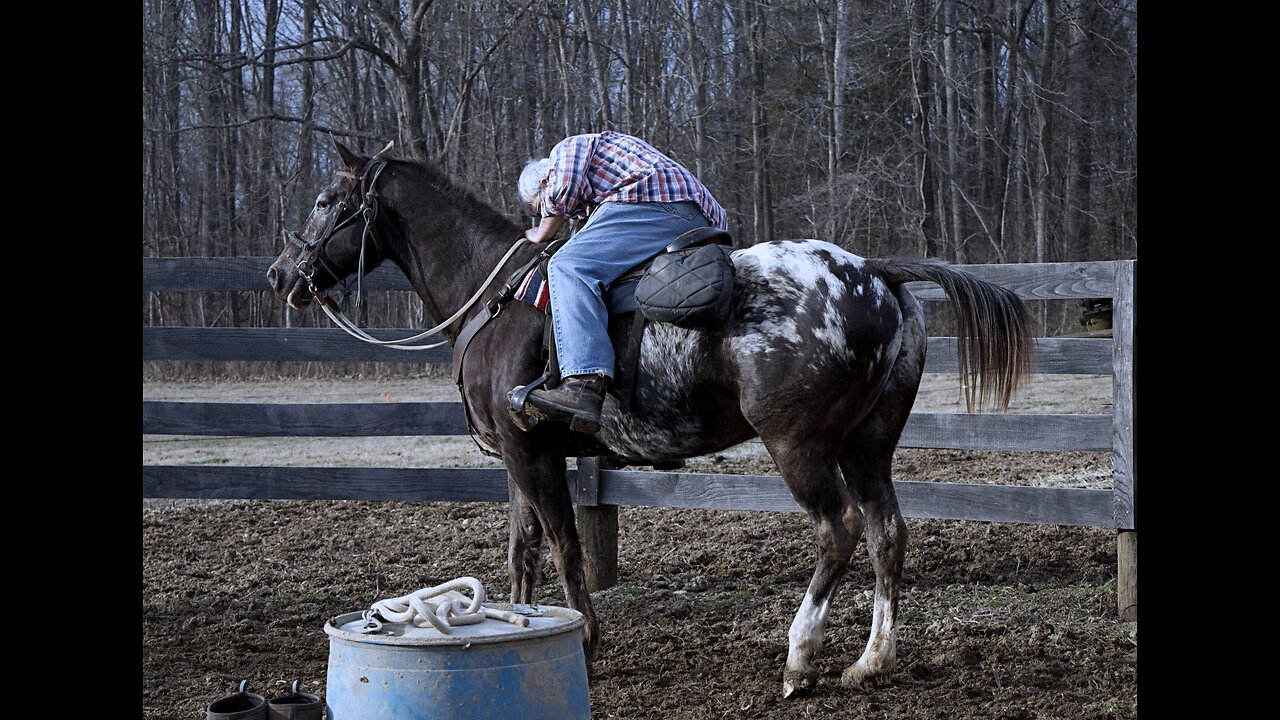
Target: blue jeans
616, 238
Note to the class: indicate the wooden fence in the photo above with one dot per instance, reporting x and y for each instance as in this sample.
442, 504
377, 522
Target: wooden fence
599, 491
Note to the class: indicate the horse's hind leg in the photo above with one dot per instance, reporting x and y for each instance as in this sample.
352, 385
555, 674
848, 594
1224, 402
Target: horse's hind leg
811, 474
886, 534
524, 554
866, 461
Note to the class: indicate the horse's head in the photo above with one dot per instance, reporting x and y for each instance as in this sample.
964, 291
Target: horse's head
339, 237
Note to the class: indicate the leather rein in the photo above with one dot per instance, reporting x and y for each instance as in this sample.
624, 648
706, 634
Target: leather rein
368, 211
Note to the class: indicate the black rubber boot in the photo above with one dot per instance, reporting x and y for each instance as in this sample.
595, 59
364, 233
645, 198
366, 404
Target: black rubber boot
577, 401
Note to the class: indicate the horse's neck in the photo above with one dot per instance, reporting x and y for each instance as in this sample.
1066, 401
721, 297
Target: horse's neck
446, 259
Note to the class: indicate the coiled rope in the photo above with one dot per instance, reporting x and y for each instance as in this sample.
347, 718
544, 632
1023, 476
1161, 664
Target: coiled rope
453, 608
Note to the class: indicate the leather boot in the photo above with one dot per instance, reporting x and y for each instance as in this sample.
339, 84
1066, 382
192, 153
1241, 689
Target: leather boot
577, 400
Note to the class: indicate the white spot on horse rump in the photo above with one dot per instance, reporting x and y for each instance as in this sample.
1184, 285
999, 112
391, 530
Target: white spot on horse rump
832, 332
762, 338
876, 356
806, 246
787, 275
800, 266
783, 328
879, 289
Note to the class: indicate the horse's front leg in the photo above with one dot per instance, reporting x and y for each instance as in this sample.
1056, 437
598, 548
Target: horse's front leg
540, 478
524, 552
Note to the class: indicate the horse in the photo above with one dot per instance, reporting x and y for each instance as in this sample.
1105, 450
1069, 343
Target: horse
819, 355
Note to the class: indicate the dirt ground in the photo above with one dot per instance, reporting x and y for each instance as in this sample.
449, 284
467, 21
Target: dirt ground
998, 620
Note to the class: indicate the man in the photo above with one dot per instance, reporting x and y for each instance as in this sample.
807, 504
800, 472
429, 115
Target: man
639, 201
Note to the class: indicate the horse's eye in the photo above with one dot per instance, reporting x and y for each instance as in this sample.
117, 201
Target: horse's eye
321, 204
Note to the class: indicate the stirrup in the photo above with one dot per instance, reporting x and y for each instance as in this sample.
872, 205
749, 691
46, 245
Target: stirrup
537, 411
516, 398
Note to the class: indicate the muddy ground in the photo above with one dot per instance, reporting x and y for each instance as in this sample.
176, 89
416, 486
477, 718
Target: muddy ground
998, 620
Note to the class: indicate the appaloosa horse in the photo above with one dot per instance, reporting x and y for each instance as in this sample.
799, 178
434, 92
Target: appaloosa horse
820, 356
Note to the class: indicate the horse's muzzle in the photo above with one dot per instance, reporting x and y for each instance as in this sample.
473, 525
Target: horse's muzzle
286, 282
273, 279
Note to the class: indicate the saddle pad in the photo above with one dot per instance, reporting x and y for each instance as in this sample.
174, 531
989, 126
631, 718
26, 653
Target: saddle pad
535, 291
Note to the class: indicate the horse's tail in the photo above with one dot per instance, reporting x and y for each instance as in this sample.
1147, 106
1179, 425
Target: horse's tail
993, 332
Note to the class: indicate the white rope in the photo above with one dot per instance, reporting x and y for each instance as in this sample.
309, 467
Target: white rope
451, 610
343, 322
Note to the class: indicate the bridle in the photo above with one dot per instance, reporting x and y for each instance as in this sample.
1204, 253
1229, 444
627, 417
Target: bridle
312, 252
366, 183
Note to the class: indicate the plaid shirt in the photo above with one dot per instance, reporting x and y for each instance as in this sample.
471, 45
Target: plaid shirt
587, 170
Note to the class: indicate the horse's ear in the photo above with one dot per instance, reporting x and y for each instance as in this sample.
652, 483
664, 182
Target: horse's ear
385, 153
353, 161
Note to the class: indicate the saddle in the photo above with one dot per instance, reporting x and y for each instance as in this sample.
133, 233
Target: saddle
686, 269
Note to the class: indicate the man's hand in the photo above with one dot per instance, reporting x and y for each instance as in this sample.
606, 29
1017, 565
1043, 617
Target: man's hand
546, 229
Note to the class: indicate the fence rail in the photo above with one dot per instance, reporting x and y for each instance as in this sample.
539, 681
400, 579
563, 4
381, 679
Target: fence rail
598, 491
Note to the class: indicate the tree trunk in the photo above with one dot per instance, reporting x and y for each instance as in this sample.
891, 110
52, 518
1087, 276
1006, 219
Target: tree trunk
306, 141
1044, 135
599, 66
953, 130
628, 67
1009, 183
762, 215
566, 94
697, 77
922, 110
988, 152
835, 99
1076, 204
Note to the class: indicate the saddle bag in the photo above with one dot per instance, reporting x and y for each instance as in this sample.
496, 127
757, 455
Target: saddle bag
690, 288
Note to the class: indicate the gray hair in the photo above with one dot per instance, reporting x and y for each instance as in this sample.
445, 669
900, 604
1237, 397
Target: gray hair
531, 178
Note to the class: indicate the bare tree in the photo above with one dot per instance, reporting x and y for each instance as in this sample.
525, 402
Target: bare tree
990, 130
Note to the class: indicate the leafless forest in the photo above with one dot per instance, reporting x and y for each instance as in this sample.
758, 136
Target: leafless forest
980, 131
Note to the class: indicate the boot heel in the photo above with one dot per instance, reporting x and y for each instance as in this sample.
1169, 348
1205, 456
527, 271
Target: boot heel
584, 425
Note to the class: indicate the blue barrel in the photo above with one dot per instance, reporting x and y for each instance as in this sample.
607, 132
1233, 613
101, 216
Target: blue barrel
493, 669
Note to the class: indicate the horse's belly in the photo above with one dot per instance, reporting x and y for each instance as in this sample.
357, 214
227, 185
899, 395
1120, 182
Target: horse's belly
683, 403
646, 436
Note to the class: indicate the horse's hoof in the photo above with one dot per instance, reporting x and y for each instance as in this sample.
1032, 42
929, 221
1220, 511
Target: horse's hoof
589, 647
795, 682
857, 676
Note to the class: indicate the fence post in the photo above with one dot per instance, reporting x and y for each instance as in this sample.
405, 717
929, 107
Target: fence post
1124, 466
597, 528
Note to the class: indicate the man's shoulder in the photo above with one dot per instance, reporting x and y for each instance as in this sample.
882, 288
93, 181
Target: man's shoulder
574, 143
584, 138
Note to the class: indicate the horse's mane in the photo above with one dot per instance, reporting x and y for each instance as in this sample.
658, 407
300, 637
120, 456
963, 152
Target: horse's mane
457, 194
